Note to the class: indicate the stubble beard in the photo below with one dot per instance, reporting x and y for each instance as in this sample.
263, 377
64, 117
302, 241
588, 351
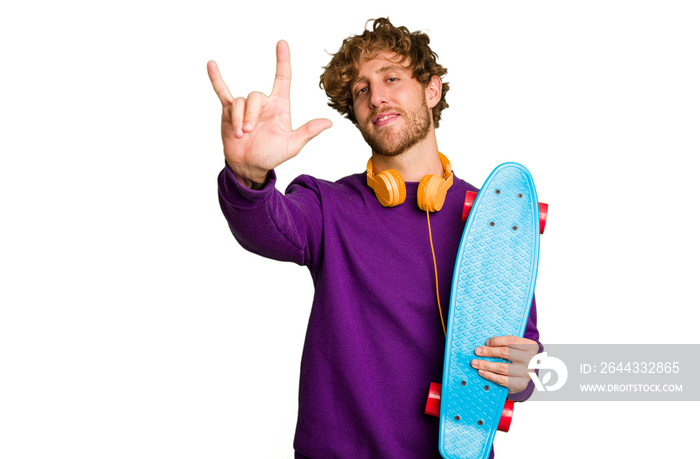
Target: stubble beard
416, 128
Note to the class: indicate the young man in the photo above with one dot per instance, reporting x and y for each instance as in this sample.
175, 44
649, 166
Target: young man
374, 340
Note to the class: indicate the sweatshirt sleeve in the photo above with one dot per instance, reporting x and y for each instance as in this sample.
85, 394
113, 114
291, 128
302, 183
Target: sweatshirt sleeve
282, 227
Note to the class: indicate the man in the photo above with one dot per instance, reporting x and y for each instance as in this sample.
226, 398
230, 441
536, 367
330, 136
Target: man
374, 340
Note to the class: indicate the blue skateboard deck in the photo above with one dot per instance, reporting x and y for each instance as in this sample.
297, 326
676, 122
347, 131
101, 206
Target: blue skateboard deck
492, 290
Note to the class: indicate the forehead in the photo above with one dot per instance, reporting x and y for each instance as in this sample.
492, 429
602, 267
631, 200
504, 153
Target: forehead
382, 62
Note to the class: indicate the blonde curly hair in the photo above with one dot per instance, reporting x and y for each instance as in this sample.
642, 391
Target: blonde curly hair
343, 68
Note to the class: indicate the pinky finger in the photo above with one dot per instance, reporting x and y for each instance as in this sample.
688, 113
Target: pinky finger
218, 84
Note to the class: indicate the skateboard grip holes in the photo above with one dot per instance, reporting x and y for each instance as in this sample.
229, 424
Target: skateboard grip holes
458, 417
486, 388
515, 228
464, 383
520, 195
480, 422
492, 224
498, 191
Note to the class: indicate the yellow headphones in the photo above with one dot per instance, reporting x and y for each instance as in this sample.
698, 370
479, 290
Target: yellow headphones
390, 188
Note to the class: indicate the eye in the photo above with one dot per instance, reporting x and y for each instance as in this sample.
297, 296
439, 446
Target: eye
392, 79
361, 91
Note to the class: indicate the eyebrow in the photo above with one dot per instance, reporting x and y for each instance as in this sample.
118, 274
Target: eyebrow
390, 67
386, 68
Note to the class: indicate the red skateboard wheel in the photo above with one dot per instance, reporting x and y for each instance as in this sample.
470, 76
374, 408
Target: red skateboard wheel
506, 416
543, 215
468, 203
433, 406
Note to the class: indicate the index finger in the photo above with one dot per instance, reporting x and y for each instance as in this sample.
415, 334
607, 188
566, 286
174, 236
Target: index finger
218, 83
283, 75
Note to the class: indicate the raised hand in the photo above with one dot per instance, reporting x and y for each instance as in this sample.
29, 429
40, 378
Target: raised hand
256, 131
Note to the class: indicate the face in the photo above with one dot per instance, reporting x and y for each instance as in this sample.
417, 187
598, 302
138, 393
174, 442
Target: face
391, 107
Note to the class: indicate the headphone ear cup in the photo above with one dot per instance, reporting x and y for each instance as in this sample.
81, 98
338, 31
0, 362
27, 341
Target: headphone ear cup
430, 196
390, 188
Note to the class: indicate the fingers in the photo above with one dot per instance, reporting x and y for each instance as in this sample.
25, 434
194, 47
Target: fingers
500, 379
252, 110
307, 132
517, 353
283, 75
500, 368
513, 377
511, 348
266, 118
511, 341
500, 352
502, 373
237, 114
218, 83
245, 113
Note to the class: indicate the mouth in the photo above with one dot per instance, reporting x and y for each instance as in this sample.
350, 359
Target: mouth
384, 118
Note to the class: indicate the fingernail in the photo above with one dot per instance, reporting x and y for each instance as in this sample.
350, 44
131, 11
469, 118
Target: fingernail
479, 351
248, 127
475, 364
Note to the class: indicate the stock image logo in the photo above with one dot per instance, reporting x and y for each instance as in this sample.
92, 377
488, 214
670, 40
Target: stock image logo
547, 366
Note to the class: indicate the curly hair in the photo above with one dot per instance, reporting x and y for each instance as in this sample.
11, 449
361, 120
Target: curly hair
344, 66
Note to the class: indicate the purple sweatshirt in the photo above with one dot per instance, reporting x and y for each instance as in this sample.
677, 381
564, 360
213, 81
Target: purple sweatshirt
374, 342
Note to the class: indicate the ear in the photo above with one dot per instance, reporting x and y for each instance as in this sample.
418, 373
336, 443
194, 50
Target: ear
433, 91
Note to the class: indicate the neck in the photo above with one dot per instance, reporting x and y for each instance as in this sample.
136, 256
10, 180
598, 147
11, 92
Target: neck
415, 163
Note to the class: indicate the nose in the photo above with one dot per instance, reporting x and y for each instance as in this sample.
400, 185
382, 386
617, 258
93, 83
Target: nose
378, 96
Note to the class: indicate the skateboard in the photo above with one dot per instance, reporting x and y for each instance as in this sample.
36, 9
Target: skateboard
492, 289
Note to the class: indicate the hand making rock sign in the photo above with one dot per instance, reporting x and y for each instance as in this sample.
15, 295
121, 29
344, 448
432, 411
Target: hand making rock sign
256, 131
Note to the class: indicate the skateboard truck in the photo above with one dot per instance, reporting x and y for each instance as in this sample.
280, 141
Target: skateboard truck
432, 407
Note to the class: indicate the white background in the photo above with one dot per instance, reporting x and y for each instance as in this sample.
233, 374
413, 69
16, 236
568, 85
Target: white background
133, 325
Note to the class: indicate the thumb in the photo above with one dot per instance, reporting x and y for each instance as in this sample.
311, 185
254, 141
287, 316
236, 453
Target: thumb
307, 132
